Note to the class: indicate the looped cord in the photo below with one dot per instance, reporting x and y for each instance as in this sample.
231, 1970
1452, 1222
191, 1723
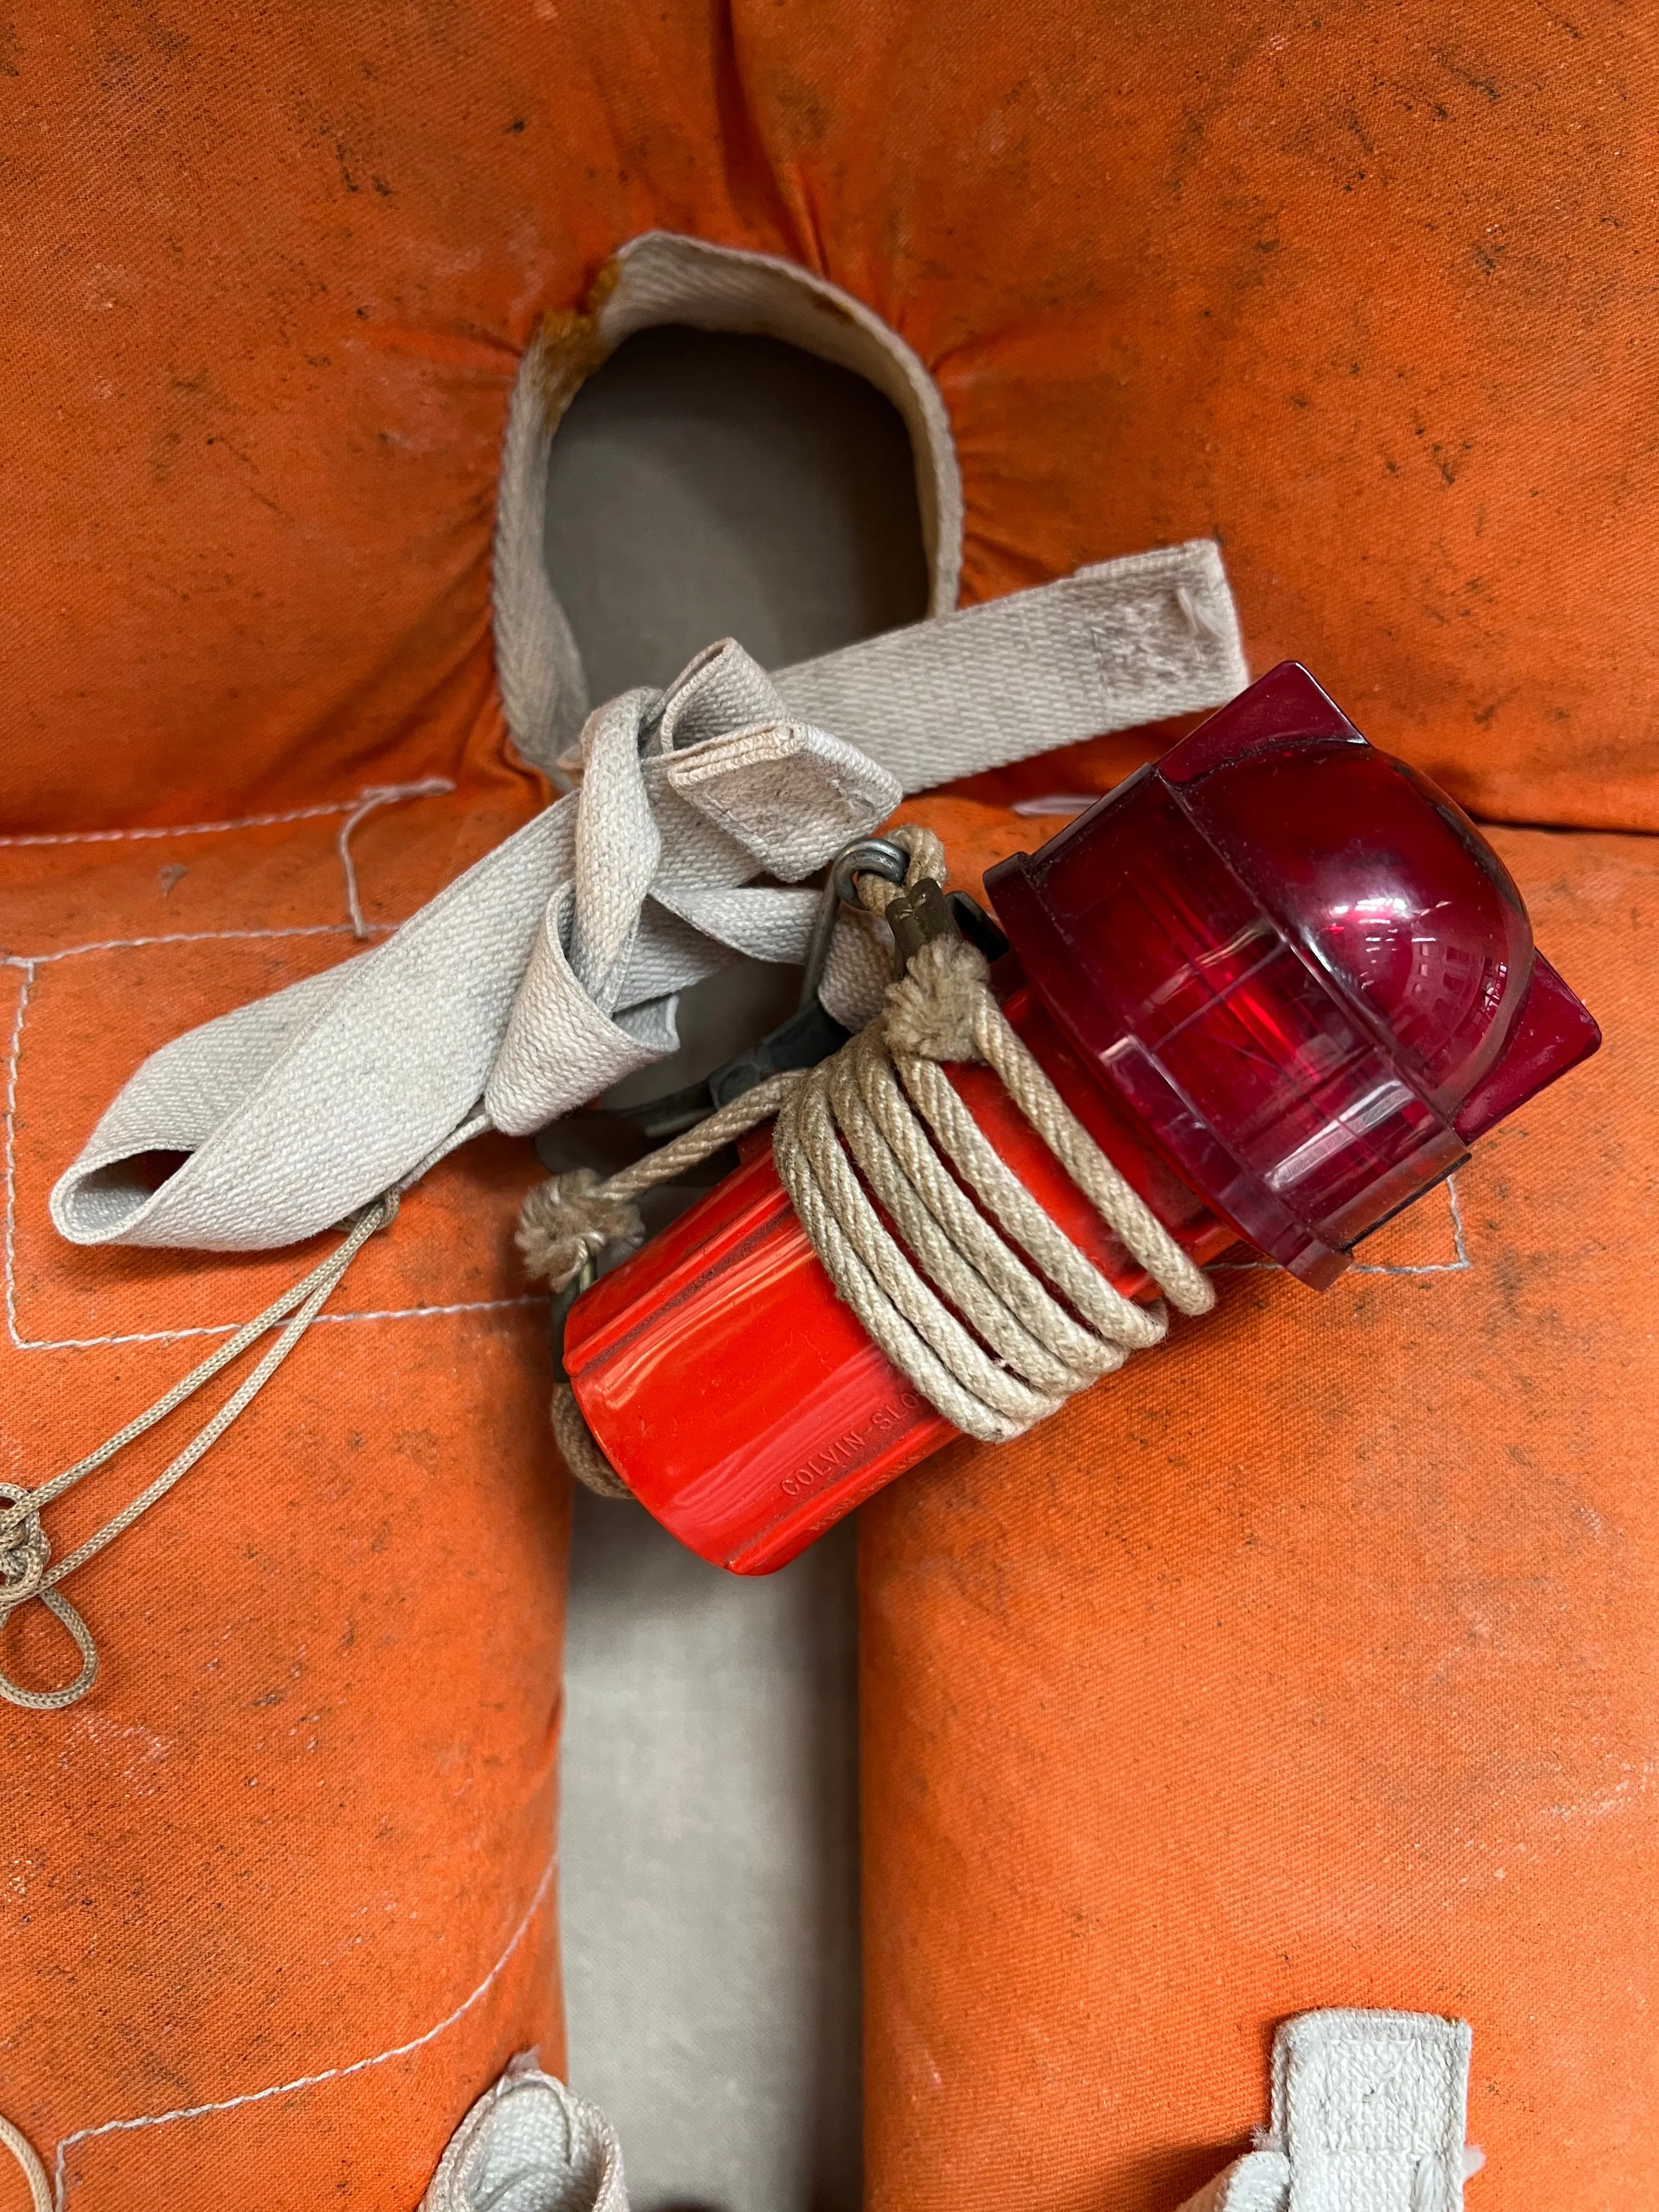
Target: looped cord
975, 1293
29, 2163
25, 1568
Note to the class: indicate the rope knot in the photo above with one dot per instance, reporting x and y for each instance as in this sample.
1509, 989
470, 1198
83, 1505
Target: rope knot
25, 1548
570, 1219
933, 1012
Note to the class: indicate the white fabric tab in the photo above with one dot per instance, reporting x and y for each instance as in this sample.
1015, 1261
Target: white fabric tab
1258, 2183
551, 968
1368, 2116
530, 2145
1370, 2106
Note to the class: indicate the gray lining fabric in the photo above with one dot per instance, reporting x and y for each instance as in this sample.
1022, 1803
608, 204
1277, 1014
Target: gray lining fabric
702, 485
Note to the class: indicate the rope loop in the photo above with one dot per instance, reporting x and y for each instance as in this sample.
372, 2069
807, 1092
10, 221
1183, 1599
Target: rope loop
68, 1693
25, 1556
28, 2164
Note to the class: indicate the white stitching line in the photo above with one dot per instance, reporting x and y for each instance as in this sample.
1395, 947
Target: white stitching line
32, 960
27, 967
378, 795
357, 810
228, 1327
1432, 1267
1457, 1266
218, 828
419, 1313
181, 830
187, 937
1458, 1242
311, 2081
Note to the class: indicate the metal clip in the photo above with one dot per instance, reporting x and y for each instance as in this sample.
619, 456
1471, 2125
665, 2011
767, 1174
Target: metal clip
865, 856
916, 917
609, 1138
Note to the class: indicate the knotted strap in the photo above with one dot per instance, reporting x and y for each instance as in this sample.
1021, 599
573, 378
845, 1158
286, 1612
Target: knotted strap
551, 968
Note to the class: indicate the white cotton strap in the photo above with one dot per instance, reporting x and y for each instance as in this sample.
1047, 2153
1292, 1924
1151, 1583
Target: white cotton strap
662, 276
1370, 2109
551, 968
665, 277
1111, 647
1368, 2116
1258, 2183
1125, 642
530, 2145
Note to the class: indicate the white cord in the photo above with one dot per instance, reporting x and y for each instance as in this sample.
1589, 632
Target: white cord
26, 1569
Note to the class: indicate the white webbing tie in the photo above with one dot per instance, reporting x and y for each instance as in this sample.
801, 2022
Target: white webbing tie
1368, 2116
882, 1120
530, 2145
551, 968
25, 1568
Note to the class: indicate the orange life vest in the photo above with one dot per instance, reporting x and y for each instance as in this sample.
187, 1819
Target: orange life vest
1202, 1703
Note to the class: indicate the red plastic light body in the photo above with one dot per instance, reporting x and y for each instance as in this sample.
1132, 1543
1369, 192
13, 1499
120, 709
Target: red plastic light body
1282, 979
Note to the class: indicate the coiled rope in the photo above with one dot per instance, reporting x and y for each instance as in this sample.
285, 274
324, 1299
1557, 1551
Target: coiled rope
973, 1293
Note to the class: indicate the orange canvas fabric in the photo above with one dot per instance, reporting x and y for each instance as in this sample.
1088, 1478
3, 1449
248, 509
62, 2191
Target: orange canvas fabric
1362, 293
1308, 1661
279, 1893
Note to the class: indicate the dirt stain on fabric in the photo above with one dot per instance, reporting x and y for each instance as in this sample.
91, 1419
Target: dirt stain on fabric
572, 345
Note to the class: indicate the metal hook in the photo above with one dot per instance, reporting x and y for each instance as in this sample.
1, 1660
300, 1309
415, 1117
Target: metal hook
865, 856
610, 1138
